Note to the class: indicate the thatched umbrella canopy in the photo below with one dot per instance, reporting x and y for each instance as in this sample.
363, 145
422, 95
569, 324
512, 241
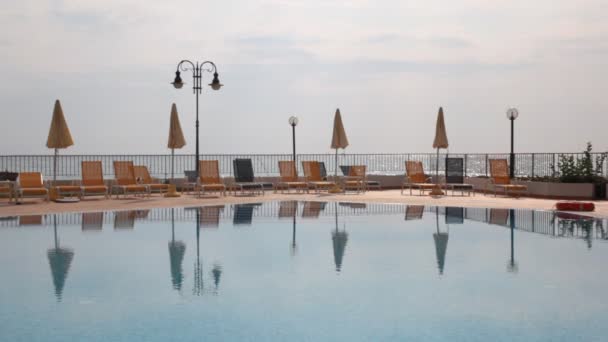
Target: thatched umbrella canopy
59, 135
441, 141
176, 136
338, 139
60, 260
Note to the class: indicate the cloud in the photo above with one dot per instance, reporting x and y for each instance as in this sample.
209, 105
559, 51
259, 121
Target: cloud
278, 49
453, 42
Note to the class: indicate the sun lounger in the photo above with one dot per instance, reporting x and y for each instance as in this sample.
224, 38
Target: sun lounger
415, 178
500, 179
125, 180
91, 183
454, 176
312, 175
289, 178
6, 189
244, 177
142, 173
30, 184
209, 178
356, 179
369, 184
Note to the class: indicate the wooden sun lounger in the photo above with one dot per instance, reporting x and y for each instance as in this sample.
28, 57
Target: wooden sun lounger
141, 172
209, 178
500, 179
126, 182
30, 184
415, 178
312, 175
289, 178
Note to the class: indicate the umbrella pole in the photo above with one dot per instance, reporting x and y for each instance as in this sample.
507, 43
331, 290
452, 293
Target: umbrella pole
55, 166
336, 168
437, 189
172, 163
55, 231
437, 218
172, 225
336, 210
437, 167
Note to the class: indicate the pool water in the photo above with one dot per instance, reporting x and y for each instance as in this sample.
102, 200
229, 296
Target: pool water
304, 271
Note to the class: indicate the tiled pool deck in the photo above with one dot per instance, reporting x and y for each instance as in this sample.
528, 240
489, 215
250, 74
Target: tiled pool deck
37, 206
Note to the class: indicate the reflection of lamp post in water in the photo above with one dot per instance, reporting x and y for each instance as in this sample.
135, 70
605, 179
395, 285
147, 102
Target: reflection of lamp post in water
294, 247
512, 265
198, 268
216, 272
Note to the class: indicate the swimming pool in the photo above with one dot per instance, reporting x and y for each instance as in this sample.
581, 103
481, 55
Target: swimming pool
296, 271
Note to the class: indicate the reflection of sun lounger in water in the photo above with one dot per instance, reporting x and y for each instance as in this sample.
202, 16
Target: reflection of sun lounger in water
243, 213
92, 221
312, 209
414, 212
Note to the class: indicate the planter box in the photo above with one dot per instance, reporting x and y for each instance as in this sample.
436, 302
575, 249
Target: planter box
560, 190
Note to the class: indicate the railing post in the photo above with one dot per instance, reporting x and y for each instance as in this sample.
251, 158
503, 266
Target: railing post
533, 155
465, 165
554, 166
486, 165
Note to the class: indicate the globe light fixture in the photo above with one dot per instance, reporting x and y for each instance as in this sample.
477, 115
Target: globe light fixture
293, 121
512, 114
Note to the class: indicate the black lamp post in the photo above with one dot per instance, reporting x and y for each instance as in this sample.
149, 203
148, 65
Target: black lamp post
512, 114
293, 121
197, 74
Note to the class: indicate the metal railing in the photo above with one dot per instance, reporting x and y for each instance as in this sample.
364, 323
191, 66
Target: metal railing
476, 164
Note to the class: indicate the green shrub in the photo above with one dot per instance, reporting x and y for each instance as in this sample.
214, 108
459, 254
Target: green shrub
581, 170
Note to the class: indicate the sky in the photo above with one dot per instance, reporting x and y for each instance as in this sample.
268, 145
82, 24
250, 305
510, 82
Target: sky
388, 66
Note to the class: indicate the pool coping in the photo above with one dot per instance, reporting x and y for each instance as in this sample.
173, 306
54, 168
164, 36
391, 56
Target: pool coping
39, 207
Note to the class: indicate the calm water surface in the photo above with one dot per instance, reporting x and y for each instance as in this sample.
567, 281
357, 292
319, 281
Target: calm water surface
289, 271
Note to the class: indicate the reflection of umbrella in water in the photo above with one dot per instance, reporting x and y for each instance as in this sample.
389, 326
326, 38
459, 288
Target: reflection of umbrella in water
441, 244
217, 273
60, 260
177, 249
339, 242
